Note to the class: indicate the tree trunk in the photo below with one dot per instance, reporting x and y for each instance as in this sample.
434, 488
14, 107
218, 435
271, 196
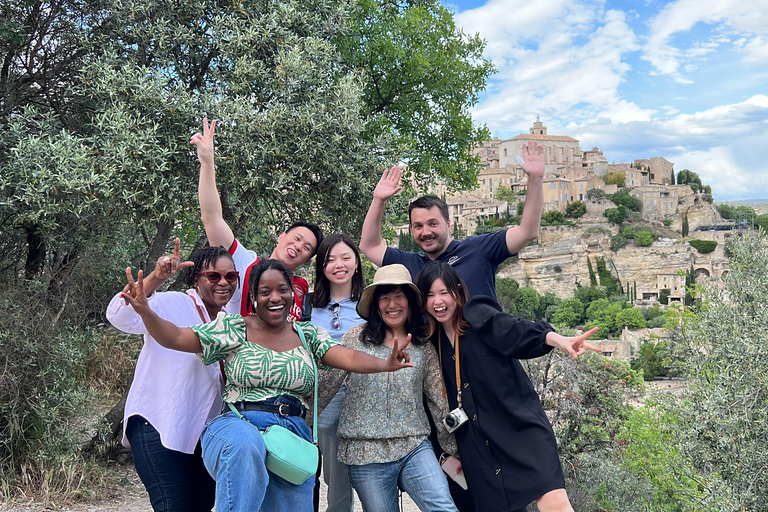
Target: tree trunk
33, 267
158, 245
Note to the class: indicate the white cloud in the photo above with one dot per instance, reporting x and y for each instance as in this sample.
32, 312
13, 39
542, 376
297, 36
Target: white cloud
723, 144
748, 19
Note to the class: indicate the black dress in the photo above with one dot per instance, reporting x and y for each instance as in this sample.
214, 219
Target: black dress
507, 448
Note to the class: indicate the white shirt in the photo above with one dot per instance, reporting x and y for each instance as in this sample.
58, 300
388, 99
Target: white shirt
173, 390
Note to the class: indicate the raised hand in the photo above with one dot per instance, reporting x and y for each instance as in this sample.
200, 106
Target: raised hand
204, 142
133, 293
574, 345
168, 265
398, 359
533, 155
389, 184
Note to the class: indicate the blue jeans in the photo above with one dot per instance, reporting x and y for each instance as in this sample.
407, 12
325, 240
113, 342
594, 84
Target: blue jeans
418, 473
234, 453
176, 481
341, 497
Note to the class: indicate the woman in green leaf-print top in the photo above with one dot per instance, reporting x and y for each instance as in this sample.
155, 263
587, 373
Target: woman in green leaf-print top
269, 374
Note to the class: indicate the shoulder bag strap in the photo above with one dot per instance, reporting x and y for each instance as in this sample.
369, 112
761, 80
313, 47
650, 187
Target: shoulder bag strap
202, 317
312, 356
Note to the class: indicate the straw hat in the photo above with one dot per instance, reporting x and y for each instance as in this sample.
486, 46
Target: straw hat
396, 275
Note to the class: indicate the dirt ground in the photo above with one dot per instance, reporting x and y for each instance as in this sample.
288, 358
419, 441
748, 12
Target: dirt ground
133, 498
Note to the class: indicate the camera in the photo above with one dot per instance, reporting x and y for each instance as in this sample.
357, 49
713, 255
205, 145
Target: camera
455, 419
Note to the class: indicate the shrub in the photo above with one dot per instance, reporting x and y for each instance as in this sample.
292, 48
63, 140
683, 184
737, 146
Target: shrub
703, 246
667, 222
644, 239
618, 242
616, 215
576, 209
628, 232
552, 218
627, 200
595, 194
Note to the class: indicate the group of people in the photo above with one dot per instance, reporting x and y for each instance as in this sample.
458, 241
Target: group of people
425, 336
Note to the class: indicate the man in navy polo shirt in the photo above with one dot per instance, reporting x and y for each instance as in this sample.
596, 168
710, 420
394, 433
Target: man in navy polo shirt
476, 258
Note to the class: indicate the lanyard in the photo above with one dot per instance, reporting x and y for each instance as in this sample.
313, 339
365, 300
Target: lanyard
456, 357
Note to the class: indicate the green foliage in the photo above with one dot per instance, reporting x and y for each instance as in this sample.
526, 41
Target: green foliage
503, 193
618, 242
651, 451
722, 417
644, 239
506, 292
421, 76
652, 359
607, 279
575, 209
615, 215
569, 313
667, 222
631, 318
520, 207
407, 243
686, 177
664, 295
628, 232
592, 276
614, 178
685, 228
605, 314
595, 194
552, 218
725, 210
762, 222
703, 246
528, 303
588, 294
625, 199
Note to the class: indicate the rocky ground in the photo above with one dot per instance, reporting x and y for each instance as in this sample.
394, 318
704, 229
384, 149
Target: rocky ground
132, 497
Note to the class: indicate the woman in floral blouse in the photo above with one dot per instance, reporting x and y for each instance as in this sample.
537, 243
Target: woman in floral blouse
269, 374
383, 425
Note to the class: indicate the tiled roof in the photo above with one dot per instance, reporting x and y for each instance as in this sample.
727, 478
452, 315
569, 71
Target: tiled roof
558, 138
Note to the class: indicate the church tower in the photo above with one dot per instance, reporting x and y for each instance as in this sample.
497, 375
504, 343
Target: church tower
538, 127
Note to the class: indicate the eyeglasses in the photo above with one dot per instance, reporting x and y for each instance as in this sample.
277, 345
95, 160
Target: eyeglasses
335, 321
215, 277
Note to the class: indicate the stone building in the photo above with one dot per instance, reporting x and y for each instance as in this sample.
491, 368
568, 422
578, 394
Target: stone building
658, 201
490, 179
557, 193
660, 170
465, 210
673, 280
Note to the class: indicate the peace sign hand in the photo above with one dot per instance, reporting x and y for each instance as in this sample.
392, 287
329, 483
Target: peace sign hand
133, 293
574, 345
398, 359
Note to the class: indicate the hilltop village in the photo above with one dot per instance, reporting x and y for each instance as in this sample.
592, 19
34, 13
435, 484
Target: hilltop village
557, 261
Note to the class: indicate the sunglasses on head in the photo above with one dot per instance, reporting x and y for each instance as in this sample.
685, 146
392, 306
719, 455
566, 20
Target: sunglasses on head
335, 321
215, 277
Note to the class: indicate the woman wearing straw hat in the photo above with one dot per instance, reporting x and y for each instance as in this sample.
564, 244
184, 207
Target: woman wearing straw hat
383, 426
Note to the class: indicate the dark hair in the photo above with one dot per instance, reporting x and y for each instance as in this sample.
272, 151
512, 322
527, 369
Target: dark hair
315, 229
255, 275
204, 258
428, 202
321, 295
431, 272
375, 330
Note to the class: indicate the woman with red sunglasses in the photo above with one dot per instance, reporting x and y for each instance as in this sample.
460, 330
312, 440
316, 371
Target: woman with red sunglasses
173, 394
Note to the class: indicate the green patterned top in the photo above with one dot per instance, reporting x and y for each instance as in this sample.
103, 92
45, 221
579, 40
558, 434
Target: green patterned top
255, 373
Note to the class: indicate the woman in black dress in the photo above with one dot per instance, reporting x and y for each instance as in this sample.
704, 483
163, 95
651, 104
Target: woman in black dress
506, 444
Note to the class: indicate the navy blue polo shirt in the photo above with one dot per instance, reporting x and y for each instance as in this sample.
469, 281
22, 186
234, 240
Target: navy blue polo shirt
475, 259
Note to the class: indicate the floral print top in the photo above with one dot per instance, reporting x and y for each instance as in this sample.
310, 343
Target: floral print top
383, 416
254, 372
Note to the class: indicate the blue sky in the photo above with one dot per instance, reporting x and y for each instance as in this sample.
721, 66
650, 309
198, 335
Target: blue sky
686, 80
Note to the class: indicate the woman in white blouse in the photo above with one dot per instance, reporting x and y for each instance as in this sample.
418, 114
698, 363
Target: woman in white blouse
173, 394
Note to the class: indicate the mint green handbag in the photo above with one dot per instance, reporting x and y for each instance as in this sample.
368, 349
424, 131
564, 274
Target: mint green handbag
289, 456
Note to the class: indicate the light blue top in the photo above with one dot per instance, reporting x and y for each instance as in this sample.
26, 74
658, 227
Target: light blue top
347, 314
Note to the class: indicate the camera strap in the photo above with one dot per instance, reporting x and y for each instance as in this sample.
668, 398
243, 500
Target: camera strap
456, 358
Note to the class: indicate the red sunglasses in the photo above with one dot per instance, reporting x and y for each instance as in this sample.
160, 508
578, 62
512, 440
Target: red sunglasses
215, 277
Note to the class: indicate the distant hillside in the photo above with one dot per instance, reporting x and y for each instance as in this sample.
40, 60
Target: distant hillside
759, 205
